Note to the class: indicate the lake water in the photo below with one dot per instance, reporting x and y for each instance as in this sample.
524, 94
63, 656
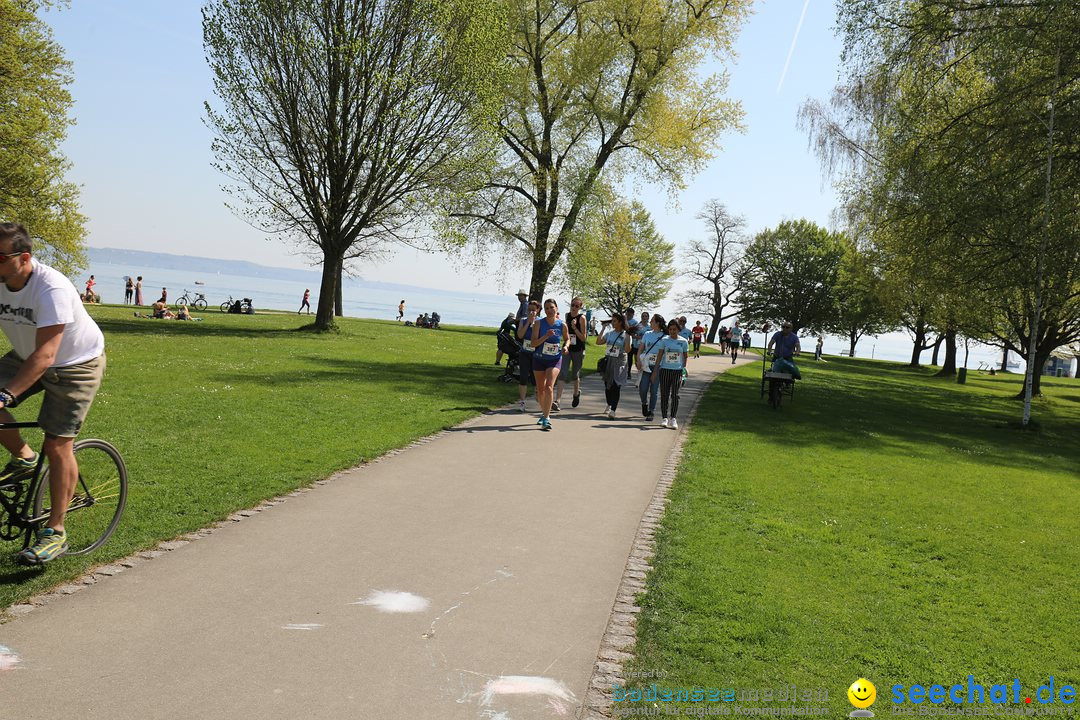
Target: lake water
370, 300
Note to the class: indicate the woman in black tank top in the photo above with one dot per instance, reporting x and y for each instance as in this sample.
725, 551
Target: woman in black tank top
575, 324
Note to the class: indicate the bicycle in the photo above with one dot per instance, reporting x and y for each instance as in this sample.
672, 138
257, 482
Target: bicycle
779, 384
193, 300
245, 305
96, 505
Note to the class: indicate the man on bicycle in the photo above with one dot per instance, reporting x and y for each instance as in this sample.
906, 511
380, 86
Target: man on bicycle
787, 346
58, 348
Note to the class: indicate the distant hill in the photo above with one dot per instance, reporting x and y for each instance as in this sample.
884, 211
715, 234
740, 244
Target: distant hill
205, 266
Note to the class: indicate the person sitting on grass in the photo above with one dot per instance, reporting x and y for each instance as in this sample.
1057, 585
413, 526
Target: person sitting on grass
160, 310
787, 346
183, 314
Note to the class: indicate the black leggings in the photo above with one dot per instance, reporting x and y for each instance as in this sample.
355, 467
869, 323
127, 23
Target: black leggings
612, 393
670, 380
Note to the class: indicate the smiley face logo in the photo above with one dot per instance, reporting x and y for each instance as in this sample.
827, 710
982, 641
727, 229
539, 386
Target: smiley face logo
862, 693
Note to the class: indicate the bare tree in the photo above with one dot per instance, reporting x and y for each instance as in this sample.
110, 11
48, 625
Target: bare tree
342, 120
714, 261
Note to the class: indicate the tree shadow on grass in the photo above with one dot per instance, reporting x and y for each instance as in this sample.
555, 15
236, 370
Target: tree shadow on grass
887, 408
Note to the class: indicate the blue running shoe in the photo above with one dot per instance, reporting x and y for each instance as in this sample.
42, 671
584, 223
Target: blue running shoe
49, 546
546, 424
18, 470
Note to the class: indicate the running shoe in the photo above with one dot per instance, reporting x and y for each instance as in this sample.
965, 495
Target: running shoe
664, 422
540, 420
555, 406
546, 424
674, 424
521, 405
650, 418
577, 400
18, 470
644, 410
49, 546
610, 414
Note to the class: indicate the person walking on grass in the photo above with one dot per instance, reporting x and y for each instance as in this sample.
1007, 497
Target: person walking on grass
525, 355
58, 348
578, 332
400, 310
646, 360
618, 343
550, 340
306, 302
699, 333
672, 352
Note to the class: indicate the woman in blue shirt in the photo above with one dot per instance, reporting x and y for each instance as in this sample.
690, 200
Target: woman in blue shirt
549, 341
646, 359
618, 341
671, 355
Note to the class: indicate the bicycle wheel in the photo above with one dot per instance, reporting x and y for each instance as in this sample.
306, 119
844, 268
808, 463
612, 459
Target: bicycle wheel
99, 499
775, 394
200, 304
225, 306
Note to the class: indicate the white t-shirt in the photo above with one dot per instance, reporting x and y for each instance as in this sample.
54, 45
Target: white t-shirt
49, 299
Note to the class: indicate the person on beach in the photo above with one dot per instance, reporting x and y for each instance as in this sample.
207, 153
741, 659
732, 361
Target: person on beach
401, 310
735, 341
699, 333
671, 352
646, 360
618, 343
525, 355
306, 302
138, 291
550, 340
58, 348
129, 289
578, 331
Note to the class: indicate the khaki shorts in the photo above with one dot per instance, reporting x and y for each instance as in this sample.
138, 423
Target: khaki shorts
69, 391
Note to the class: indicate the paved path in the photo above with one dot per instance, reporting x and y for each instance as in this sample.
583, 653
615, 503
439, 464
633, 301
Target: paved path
510, 544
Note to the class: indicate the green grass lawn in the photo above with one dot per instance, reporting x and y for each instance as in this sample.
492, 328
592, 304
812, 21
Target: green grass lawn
885, 524
218, 415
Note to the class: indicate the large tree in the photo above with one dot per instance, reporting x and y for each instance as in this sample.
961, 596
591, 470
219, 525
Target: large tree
711, 264
618, 259
790, 273
859, 294
968, 114
34, 119
595, 86
342, 120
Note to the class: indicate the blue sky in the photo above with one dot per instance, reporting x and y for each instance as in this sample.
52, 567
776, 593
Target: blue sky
142, 154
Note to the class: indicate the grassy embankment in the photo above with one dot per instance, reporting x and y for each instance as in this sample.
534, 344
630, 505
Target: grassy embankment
886, 524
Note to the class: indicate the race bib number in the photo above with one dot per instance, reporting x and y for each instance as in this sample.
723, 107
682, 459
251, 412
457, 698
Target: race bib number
550, 349
614, 350
527, 345
673, 358
650, 360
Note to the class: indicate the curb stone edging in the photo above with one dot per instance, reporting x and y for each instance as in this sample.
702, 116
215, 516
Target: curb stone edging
620, 636
115, 567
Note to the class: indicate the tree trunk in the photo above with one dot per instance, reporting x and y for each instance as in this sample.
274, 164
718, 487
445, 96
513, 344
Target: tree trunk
920, 345
324, 315
339, 305
949, 368
1005, 360
937, 346
541, 271
1036, 376
853, 336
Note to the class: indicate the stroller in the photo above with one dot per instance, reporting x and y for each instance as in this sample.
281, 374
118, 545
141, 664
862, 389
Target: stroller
510, 347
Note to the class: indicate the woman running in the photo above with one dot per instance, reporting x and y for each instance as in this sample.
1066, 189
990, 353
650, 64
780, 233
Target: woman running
578, 331
646, 359
618, 342
549, 338
671, 353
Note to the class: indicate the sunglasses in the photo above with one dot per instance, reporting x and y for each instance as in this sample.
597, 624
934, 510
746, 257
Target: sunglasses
4, 256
